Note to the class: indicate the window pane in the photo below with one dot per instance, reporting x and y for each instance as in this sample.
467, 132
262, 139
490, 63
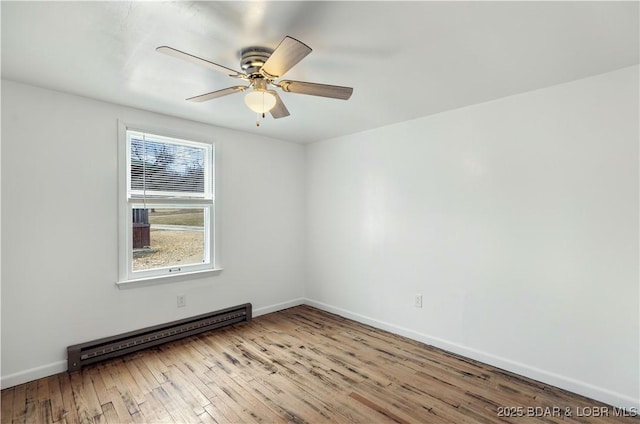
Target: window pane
168, 168
165, 237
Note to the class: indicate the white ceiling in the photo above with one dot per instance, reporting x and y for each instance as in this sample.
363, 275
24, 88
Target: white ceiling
404, 59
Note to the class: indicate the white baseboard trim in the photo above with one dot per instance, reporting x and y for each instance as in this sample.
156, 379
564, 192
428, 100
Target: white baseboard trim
278, 307
32, 374
585, 389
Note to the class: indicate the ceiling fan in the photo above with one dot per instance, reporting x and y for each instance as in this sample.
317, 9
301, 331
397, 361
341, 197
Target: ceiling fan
262, 67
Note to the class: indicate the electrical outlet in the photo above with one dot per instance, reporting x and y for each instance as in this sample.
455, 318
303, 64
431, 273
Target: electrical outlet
417, 301
181, 301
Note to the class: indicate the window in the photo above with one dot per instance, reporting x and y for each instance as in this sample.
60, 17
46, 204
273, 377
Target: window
167, 206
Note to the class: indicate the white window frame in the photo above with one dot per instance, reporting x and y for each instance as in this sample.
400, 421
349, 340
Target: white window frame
126, 204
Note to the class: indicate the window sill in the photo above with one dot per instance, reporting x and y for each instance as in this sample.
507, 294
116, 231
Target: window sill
163, 279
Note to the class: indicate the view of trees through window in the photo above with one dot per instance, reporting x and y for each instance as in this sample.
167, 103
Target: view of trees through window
164, 167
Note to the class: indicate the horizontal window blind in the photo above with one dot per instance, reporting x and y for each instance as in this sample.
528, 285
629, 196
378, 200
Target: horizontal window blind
170, 168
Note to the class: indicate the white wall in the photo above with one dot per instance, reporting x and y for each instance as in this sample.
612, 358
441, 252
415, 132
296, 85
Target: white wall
59, 228
517, 220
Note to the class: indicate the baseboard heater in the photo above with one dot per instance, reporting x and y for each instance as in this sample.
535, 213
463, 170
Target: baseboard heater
87, 353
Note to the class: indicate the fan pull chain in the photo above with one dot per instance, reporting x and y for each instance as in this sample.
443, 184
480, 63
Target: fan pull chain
258, 118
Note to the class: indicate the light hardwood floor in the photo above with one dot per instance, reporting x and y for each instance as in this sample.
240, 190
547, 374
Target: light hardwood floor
297, 365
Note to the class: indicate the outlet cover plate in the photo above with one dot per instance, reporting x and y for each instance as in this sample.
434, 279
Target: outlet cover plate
417, 302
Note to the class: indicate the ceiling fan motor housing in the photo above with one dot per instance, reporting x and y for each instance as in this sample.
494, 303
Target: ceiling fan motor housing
252, 59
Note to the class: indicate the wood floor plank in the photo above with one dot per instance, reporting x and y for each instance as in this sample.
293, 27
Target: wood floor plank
140, 362
297, 409
299, 365
138, 380
70, 413
93, 403
217, 415
31, 393
19, 404
128, 387
120, 409
224, 402
179, 386
182, 377
154, 411
83, 409
6, 405
377, 406
44, 411
195, 369
102, 393
110, 414
42, 394
249, 407
178, 413
155, 365
197, 383
55, 398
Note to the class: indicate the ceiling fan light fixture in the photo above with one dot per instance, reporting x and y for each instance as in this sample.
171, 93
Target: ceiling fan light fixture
260, 101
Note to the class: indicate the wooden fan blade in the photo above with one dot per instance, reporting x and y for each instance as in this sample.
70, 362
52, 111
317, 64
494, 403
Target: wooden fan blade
216, 94
197, 60
289, 52
313, 89
279, 110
